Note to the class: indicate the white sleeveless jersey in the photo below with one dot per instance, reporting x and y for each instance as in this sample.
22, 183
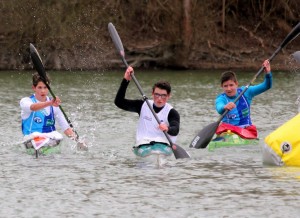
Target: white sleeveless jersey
147, 129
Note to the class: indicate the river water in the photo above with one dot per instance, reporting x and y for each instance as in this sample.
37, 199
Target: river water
108, 181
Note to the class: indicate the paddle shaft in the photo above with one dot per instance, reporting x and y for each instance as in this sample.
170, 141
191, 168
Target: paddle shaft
249, 84
119, 46
207, 133
62, 110
60, 107
37, 62
292, 35
146, 99
178, 151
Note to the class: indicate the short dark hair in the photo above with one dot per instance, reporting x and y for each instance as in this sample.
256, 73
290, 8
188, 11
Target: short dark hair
162, 85
36, 78
228, 75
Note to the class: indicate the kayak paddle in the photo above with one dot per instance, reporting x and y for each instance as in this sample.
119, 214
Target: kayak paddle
38, 64
178, 151
296, 56
205, 135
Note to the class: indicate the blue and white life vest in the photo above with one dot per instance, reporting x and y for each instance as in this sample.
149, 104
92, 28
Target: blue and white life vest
38, 121
240, 115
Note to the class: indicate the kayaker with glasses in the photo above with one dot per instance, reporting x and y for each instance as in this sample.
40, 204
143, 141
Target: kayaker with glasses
149, 132
238, 119
39, 114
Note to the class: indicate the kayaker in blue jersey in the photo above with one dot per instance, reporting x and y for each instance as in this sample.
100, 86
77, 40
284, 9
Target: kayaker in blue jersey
149, 131
238, 117
39, 113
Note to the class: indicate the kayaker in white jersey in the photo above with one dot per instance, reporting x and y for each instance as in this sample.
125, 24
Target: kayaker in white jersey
40, 112
149, 131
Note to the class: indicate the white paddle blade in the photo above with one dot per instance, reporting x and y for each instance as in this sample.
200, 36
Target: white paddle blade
82, 146
296, 56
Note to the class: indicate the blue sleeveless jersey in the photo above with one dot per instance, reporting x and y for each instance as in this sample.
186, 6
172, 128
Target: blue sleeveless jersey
239, 116
38, 121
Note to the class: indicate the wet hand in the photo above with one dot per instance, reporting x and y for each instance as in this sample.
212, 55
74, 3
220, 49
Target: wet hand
128, 73
229, 106
163, 127
55, 102
267, 66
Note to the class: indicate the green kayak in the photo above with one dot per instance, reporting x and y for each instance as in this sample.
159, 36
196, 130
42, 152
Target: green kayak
229, 139
49, 146
45, 150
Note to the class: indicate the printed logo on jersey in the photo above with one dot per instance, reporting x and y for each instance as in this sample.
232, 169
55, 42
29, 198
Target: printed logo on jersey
245, 112
37, 119
147, 118
231, 116
49, 122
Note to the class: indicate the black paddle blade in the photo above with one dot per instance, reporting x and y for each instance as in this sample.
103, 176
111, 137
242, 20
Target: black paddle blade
204, 136
179, 152
292, 35
37, 61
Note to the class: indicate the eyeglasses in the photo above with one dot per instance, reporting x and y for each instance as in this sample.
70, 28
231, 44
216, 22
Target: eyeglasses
163, 96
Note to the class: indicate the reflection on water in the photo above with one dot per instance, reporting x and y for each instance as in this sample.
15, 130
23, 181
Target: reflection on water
109, 181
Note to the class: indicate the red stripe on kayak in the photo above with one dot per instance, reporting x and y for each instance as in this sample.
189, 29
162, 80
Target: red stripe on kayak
249, 132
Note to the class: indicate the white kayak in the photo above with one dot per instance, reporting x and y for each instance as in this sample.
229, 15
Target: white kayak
43, 143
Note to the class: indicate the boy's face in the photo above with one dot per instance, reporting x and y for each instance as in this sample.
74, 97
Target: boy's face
160, 97
230, 87
41, 90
